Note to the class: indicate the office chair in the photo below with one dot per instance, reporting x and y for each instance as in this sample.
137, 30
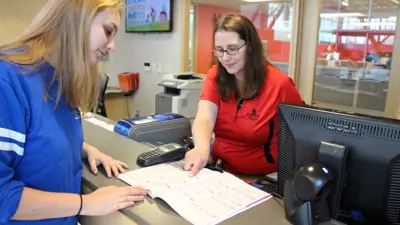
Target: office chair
101, 107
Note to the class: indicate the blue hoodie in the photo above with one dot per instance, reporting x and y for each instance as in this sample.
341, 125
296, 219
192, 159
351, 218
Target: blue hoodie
40, 143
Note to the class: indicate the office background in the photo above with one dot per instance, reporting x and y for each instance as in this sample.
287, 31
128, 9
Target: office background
335, 50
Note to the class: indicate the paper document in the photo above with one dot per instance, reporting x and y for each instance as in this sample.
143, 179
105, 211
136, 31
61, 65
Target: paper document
100, 123
207, 198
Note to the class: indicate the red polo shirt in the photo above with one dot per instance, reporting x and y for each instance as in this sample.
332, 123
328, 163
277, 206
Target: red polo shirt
245, 143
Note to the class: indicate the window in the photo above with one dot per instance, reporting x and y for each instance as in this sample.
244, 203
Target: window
352, 71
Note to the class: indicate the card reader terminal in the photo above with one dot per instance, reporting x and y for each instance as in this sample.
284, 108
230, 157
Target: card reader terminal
160, 154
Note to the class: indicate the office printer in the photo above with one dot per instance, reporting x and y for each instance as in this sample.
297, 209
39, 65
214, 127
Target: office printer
181, 94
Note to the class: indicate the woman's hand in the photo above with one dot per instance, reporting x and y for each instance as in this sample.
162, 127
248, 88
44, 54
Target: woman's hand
106, 200
96, 158
196, 159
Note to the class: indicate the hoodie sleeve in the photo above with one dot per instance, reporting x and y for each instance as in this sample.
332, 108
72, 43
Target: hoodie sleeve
12, 142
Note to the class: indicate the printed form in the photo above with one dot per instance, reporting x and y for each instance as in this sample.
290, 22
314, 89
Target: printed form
207, 198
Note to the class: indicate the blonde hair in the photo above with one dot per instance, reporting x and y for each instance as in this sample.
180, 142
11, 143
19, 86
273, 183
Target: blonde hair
63, 26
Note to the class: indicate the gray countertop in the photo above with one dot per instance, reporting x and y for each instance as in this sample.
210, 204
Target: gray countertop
156, 211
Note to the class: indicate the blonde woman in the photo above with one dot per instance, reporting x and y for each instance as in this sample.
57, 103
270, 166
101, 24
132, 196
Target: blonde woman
46, 75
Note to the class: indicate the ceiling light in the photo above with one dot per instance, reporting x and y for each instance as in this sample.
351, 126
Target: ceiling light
329, 15
257, 0
374, 24
345, 3
395, 1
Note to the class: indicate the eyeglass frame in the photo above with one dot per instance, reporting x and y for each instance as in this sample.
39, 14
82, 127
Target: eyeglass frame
226, 50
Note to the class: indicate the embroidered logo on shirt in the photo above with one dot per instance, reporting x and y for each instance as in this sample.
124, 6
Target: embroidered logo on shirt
253, 115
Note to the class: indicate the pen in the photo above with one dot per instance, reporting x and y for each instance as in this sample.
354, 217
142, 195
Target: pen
218, 164
247, 181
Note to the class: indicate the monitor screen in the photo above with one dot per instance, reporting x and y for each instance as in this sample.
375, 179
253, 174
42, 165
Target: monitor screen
372, 183
148, 16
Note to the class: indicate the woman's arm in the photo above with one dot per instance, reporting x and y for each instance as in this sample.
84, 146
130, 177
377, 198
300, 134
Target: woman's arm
207, 111
35, 205
87, 147
95, 157
203, 125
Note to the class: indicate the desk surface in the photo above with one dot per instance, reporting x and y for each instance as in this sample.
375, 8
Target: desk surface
116, 91
155, 211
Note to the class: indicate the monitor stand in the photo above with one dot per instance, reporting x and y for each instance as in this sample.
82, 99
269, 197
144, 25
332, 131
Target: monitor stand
334, 157
304, 212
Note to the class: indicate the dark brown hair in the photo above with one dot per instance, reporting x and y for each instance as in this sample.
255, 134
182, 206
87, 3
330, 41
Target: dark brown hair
255, 62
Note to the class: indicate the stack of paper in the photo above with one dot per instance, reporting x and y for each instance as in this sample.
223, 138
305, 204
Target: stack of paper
207, 198
100, 123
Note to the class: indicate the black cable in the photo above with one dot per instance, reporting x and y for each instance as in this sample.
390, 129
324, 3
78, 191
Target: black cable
278, 201
127, 107
277, 197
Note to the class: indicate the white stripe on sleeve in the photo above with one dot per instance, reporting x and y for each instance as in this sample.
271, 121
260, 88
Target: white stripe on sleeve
7, 133
7, 146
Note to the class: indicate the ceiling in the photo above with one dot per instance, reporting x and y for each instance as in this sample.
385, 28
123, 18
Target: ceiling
235, 4
379, 8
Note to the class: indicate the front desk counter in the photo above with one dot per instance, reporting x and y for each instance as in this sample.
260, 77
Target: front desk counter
152, 211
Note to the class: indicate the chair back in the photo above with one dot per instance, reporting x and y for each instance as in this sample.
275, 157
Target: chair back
103, 86
101, 106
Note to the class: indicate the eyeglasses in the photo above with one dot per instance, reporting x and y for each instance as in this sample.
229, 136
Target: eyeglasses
229, 51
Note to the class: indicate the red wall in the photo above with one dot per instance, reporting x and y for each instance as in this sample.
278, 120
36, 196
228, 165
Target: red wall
205, 15
277, 50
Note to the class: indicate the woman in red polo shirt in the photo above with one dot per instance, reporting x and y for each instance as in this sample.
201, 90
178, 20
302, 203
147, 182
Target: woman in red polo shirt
239, 103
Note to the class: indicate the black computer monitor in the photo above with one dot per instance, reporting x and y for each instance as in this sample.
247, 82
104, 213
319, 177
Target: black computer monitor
372, 183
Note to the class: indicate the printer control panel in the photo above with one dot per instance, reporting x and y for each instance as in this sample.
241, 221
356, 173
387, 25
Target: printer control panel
187, 77
170, 83
182, 81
